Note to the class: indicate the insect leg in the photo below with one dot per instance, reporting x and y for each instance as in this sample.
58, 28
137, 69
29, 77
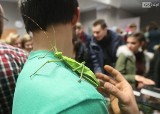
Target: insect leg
81, 73
79, 66
43, 65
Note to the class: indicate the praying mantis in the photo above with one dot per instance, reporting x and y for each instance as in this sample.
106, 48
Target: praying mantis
75, 66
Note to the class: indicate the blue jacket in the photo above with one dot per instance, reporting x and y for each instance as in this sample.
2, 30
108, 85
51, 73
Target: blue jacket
97, 51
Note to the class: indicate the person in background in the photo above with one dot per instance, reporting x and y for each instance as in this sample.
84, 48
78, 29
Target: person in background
132, 28
84, 52
11, 62
104, 44
81, 42
85, 38
80, 52
133, 62
154, 72
153, 36
14, 40
55, 88
27, 43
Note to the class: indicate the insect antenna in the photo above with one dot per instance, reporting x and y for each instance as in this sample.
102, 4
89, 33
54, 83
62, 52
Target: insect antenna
36, 24
53, 47
54, 35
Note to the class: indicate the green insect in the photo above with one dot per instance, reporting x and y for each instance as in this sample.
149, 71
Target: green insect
75, 66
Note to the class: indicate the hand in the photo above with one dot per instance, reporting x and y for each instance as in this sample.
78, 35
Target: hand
140, 85
119, 90
144, 80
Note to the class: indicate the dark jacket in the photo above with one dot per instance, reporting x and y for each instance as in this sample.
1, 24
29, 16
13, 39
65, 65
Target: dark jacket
82, 50
110, 44
154, 39
154, 72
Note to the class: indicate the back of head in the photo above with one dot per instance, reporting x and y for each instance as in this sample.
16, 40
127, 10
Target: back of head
100, 22
1, 20
47, 12
152, 26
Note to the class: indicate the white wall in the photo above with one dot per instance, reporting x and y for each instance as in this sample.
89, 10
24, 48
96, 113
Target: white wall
87, 18
12, 13
111, 15
108, 14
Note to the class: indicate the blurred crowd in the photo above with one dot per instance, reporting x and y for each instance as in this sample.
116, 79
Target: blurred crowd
135, 54
16, 40
130, 51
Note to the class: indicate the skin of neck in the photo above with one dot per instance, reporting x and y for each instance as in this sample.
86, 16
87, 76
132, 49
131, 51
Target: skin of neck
61, 38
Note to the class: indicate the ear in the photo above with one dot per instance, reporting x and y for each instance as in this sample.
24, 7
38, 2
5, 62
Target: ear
76, 17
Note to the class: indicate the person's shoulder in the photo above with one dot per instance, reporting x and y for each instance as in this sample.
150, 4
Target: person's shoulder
115, 35
75, 91
54, 82
87, 107
124, 50
88, 36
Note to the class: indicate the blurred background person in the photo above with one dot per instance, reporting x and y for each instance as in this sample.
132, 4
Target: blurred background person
105, 43
85, 38
14, 39
153, 36
154, 72
82, 51
78, 48
11, 62
133, 62
27, 43
132, 28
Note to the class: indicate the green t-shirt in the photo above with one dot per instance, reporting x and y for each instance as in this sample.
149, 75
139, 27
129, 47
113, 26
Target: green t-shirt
54, 89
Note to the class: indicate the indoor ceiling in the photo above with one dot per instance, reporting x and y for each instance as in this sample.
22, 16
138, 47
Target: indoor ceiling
133, 6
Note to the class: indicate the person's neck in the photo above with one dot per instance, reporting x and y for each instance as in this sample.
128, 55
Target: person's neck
63, 34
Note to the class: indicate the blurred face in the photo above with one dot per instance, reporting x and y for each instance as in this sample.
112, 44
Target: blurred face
28, 46
98, 32
78, 30
133, 44
133, 29
17, 43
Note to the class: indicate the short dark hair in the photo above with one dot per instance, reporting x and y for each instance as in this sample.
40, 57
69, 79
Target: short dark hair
152, 26
139, 36
100, 22
47, 12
